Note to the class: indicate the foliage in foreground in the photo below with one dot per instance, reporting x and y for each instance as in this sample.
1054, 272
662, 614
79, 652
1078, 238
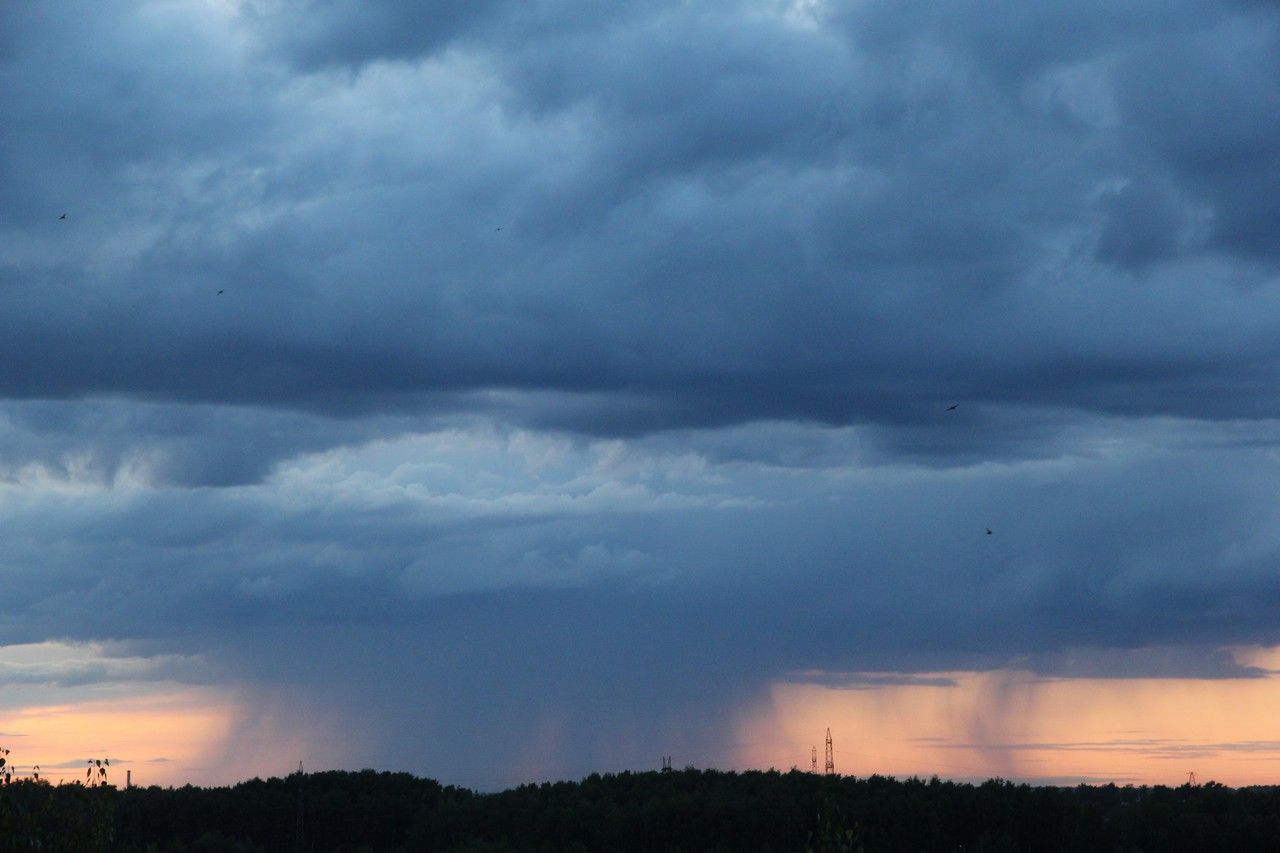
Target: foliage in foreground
688, 810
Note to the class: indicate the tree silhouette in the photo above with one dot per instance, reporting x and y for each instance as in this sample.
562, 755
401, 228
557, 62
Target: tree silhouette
96, 773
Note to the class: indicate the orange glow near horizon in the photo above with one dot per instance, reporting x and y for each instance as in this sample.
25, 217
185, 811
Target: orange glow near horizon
1019, 726
959, 725
166, 737
173, 734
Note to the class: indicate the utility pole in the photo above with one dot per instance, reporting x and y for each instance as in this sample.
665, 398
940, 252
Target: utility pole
831, 756
813, 760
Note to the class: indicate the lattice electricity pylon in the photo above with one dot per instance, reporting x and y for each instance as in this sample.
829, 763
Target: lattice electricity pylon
831, 756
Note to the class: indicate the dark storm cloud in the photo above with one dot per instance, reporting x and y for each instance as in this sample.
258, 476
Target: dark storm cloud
348, 32
401, 532
632, 594
720, 211
871, 680
1149, 662
1217, 134
262, 387
169, 444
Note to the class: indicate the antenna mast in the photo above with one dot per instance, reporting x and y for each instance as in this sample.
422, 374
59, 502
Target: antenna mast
298, 839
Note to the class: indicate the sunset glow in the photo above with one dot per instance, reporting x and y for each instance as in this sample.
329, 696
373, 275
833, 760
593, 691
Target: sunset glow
167, 737
1018, 726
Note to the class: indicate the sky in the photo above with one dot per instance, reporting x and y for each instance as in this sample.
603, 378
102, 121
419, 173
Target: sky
504, 391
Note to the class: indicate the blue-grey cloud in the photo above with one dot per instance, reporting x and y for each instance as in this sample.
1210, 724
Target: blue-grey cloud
723, 214
320, 34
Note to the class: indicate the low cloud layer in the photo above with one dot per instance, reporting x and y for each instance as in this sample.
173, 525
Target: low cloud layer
569, 374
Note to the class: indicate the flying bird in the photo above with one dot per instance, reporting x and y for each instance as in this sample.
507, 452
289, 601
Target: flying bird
988, 531
953, 407
219, 292
63, 216
496, 230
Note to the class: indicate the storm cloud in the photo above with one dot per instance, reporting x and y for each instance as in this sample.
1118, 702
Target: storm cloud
573, 372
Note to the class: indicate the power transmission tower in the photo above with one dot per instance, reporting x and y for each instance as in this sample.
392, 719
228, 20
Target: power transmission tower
1191, 778
813, 760
666, 764
831, 756
298, 839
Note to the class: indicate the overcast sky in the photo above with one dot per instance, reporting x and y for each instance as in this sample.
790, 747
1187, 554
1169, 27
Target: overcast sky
525, 386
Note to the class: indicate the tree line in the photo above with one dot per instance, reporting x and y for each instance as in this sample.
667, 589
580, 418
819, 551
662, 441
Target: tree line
687, 810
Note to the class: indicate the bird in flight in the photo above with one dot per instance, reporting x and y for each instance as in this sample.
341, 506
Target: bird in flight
988, 531
63, 216
953, 407
496, 230
219, 292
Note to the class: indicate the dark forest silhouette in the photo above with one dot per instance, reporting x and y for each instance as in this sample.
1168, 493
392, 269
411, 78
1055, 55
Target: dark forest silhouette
682, 810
